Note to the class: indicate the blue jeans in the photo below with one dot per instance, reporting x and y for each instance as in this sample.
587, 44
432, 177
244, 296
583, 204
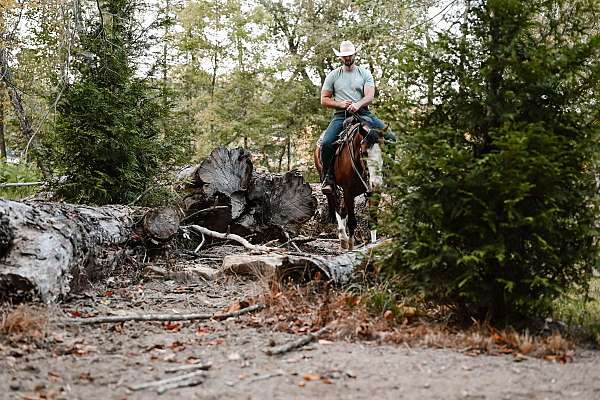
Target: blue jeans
335, 128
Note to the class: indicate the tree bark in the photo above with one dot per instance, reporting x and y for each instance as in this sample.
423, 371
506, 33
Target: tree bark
2, 124
52, 249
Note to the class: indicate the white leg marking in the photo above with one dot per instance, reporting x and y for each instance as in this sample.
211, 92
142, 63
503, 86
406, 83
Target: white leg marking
342, 234
373, 236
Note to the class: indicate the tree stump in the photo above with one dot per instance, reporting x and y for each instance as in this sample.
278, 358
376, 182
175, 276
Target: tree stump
224, 194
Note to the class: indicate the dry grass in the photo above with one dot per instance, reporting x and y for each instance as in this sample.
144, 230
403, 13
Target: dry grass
23, 323
302, 309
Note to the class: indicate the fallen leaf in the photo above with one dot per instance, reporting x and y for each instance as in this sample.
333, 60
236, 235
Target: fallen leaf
408, 311
311, 377
234, 357
301, 383
238, 305
86, 377
177, 346
158, 346
54, 377
172, 326
327, 381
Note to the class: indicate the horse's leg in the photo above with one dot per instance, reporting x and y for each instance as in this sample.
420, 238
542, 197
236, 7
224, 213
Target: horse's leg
341, 215
373, 205
349, 205
331, 207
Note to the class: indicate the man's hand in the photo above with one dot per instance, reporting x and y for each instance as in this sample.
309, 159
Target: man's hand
353, 107
344, 104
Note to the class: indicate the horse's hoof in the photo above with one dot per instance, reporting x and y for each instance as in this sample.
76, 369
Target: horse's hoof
351, 244
344, 244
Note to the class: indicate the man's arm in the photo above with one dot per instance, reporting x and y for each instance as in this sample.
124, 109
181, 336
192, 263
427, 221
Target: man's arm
365, 101
328, 101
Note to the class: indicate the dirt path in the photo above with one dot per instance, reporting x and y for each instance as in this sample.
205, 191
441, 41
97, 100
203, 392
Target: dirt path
101, 361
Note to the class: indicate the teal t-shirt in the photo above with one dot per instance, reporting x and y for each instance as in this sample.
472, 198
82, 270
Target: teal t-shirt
348, 85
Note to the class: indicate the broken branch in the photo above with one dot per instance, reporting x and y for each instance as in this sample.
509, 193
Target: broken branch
229, 236
165, 317
166, 381
296, 344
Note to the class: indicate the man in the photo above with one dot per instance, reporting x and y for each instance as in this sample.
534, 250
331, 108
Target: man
347, 89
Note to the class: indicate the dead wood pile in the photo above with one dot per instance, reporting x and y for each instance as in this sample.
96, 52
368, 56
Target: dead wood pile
225, 194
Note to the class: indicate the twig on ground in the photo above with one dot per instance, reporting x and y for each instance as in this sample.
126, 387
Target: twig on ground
176, 385
265, 377
192, 367
167, 381
295, 344
300, 240
200, 245
229, 236
165, 317
287, 236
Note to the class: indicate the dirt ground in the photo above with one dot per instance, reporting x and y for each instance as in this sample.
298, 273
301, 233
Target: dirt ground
104, 361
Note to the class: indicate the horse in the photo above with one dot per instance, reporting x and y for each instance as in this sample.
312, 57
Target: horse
357, 169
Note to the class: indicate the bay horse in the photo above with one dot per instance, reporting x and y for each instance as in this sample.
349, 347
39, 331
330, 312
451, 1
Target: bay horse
357, 169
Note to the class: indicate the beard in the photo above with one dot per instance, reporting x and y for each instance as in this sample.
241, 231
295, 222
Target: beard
349, 62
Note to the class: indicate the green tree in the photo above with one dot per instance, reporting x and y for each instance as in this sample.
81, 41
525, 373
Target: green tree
494, 197
107, 130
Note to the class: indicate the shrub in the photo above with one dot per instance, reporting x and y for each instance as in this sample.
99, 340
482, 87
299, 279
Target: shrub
495, 202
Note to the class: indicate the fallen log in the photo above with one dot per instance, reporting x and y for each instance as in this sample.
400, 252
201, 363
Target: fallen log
337, 269
52, 249
162, 223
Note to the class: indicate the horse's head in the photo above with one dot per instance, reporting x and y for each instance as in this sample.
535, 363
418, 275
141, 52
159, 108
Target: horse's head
370, 149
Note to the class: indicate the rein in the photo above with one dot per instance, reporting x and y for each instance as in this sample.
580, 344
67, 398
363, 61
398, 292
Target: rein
349, 143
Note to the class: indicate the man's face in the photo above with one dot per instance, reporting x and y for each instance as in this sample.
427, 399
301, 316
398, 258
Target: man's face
348, 60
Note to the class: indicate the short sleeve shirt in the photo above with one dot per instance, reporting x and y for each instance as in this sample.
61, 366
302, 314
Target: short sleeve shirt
348, 85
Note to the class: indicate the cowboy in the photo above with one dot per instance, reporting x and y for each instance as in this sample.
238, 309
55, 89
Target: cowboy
348, 89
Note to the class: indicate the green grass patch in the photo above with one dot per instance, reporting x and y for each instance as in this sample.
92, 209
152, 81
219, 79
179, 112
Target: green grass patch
18, 173
581, 312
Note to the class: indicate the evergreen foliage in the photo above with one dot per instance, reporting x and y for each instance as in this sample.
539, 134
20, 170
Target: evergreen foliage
107, 136
495, 202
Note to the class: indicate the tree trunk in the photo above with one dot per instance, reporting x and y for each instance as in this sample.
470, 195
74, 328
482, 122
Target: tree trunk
2, 124
300, 266
52, 249
25, 122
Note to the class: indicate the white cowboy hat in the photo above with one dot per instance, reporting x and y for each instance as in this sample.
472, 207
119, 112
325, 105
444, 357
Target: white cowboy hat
346, 49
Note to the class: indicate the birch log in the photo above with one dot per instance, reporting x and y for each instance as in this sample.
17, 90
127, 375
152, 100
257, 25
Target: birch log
52, 249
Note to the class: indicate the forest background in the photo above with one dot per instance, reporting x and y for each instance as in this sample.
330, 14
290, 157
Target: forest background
233, 73
495, 185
